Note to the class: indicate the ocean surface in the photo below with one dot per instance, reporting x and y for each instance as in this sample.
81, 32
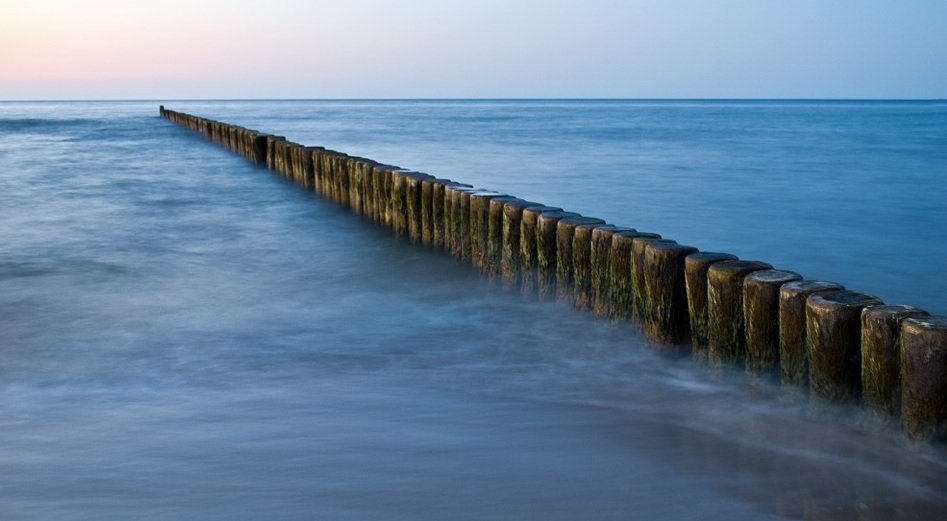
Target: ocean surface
184, 335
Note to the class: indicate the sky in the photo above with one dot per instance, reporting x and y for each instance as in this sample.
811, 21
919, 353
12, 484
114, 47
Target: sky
217, 49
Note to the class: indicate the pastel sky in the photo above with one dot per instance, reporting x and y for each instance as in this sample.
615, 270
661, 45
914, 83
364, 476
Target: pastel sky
123, 49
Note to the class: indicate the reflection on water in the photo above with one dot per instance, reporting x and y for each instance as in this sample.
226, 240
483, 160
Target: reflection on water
184, 335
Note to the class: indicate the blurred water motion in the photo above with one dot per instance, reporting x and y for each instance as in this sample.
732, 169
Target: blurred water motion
185, 335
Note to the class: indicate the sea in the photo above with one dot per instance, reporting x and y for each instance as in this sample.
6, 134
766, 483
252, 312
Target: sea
185, 335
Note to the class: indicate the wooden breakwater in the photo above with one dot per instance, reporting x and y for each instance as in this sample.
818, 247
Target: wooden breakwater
839, 345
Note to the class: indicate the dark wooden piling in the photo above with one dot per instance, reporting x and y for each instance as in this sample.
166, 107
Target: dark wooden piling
529, 254
666, 319
726, 336
622, 296
565, 269
881, 358
510, 264
546, 251
793, 351
695, 275
639, 289
438, 217
761, 317
399, 202
494, 260
582, 268
480, 228
427, 211
924, 378
452, 217
413, 207
458, 216
833, 339
601, 269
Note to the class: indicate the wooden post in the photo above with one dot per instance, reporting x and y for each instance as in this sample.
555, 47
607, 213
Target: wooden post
413, 212
761, 314
399, 202
725, 327
480, 227
458, 219
494, 259
565, 233
546, 255
622, 296
438, 217
924, 378
427, 211
833, 338
452, 217
510, 263
601, 268
582, 268
638, 287
695, 275
666, 318
529, 254
793, 352
881, 358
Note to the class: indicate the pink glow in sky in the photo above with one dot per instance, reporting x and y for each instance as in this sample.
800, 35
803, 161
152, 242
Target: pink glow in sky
52, 49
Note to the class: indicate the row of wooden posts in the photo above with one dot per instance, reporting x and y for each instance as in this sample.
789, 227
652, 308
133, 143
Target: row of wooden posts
841, 345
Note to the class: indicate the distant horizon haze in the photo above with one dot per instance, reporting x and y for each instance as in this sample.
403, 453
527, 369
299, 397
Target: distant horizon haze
448, 49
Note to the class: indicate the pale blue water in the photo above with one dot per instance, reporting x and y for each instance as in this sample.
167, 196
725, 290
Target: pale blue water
184, 335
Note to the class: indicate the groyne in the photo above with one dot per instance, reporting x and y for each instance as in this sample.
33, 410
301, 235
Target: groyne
838, 345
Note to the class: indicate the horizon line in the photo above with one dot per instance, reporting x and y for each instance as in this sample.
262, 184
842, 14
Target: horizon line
813, 99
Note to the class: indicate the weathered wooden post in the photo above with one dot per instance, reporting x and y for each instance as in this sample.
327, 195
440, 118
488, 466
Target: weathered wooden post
583, 270
601, 269
793, 351
458, 218
565, 235
494, 260
881, 358
761, 314
924, 378
480, 227
622, 295
666, 318
427, 211
399, 202
726, 336
546, 242
438, 215
833, 338
510, 263
695, 275
354, 172
639, 289
529, 255
413, 207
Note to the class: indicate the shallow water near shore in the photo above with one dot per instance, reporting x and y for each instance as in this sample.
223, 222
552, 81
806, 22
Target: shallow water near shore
186, 335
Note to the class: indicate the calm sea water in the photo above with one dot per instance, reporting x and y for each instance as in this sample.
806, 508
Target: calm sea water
184, 335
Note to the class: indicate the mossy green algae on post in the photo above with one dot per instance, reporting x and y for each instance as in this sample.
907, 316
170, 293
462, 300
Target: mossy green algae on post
761, 317
833, 339
622, 298
565, 270
924, 378
726, 340
695, 276
793, 351
881, 357
600, 266
666, 321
